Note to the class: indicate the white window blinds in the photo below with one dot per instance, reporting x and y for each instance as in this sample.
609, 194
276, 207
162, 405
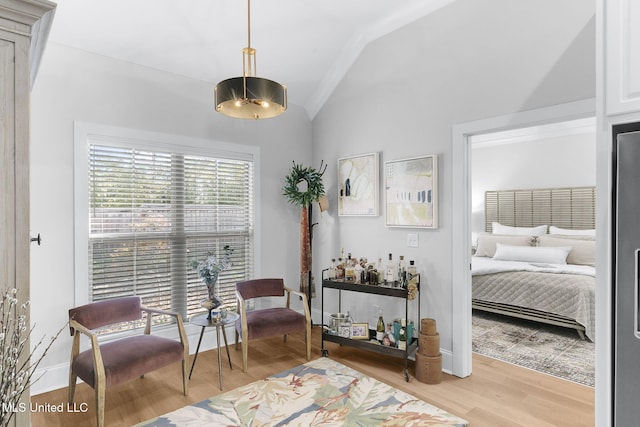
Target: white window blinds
151, 212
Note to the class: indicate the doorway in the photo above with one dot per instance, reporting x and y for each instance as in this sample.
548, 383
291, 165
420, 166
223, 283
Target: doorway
462, 137
551, 160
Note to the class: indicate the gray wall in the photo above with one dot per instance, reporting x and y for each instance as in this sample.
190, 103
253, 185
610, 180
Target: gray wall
75, 85
563, 161
468, 61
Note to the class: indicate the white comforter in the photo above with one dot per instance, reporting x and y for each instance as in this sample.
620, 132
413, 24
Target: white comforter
485, 265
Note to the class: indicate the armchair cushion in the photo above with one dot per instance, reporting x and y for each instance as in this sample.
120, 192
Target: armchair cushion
272, 322
260, 288
128, 358
107, 312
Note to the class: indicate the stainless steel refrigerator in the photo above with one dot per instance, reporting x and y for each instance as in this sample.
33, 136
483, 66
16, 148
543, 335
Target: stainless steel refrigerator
626, 280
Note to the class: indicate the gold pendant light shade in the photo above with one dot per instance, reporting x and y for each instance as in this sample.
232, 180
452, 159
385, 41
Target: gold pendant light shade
250, 97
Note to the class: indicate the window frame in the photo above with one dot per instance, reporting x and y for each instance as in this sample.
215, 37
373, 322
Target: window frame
86, 133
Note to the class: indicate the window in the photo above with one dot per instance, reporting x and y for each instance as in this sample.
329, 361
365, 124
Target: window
152, 208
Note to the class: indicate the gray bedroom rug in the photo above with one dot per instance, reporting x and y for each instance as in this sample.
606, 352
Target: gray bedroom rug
549, 349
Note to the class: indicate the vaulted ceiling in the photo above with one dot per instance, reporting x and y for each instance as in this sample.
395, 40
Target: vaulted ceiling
307, 45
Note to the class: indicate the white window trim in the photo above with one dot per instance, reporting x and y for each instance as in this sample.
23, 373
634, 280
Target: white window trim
85, 131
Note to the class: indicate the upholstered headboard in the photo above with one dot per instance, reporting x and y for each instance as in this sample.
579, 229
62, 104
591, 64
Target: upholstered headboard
571, 207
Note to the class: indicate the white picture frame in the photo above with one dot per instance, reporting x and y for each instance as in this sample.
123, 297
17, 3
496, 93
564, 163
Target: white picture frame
411, 192
358, 185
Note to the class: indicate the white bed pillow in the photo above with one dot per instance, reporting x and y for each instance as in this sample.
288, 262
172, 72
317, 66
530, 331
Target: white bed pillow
487, 243
550, 255
571, 232
497, 228
583, 252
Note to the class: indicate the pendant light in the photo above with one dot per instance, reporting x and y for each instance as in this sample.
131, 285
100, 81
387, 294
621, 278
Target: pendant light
250, 97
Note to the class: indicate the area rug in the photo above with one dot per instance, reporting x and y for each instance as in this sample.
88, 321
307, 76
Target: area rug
321, 392
549, 349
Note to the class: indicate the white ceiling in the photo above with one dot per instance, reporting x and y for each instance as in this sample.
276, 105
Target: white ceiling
307, 45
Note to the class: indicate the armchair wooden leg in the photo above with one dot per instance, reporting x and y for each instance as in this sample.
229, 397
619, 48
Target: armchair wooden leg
245, 355
73, 378
185, 376
308, 342
100, 392
245, 348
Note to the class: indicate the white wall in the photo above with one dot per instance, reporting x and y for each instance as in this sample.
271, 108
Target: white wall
565, 161
467, 61
75, 85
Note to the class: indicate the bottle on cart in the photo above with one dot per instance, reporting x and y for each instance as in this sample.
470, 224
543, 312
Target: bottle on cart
331, 274
402, 335
388, 336
402, 270
359, 272
340, 269
380, 326
380, 271
349, 270
412, 273
390, 272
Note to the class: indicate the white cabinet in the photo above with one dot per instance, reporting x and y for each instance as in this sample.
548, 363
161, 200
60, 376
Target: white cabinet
622, 56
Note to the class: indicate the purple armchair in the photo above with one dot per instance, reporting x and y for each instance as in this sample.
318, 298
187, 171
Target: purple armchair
269, 322
107, 364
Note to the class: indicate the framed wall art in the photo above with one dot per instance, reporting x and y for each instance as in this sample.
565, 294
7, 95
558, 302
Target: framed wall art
358, 185
411, 196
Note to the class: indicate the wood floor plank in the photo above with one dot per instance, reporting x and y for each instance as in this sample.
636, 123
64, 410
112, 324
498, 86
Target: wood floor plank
496, 394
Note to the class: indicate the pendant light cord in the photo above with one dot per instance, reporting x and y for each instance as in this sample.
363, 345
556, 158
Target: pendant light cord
249, 23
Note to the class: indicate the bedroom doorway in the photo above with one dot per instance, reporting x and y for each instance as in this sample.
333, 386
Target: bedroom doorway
555, 163
462, 136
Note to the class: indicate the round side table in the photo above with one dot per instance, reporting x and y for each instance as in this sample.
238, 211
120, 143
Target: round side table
218, 323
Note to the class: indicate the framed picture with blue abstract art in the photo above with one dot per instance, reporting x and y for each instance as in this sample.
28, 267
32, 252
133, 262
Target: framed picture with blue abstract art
358, 190
411, 196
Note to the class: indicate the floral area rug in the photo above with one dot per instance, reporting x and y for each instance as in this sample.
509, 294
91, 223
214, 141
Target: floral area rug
553, 350
320, 392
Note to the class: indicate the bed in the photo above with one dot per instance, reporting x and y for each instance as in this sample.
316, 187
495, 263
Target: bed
536, 259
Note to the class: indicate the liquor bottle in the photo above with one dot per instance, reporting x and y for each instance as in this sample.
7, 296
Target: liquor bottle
380, 327
412, 273
332, 273
389, 335
402, 268
412, 281
402, 335
380, 270
359, 273
340, 270
390, 272
349, 271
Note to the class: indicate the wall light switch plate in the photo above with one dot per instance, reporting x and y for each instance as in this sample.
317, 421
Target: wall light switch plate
412, 240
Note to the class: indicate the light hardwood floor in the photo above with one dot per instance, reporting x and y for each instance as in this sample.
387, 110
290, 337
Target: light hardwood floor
496, 394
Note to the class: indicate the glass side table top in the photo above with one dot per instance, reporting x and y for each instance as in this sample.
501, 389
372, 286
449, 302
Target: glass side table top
216, 319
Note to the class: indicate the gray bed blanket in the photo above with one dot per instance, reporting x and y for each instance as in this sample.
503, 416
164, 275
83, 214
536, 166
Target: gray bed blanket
569, 295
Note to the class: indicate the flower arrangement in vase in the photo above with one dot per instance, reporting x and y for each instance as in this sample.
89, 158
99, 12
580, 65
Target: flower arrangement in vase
208, 270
